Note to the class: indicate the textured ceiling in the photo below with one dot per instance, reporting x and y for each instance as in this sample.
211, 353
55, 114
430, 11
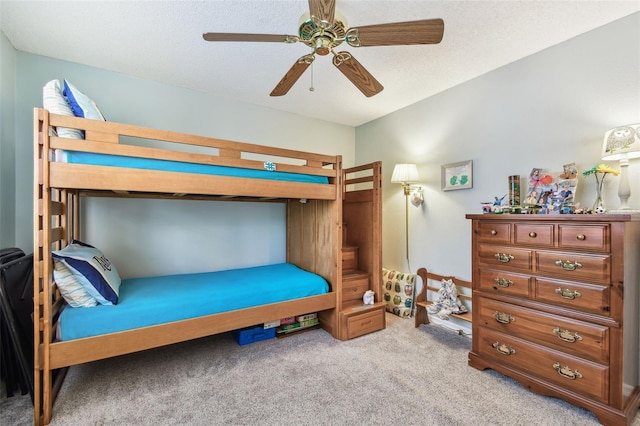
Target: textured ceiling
162, 41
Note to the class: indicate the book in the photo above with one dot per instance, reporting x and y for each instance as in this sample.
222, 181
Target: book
297, 326
301, 318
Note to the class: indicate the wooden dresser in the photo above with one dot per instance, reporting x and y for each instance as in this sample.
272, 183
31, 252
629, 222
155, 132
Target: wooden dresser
556, 307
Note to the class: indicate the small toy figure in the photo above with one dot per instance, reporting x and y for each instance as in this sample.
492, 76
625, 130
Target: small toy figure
368, 297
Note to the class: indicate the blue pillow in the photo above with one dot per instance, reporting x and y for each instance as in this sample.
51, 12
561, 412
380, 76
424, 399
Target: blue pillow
91, 268
80, 103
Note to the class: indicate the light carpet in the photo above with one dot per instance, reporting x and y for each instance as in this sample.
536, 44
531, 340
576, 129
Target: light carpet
401, 375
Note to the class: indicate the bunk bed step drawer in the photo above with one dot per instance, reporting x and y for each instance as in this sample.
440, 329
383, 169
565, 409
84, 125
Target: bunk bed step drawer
368, 322
257, 333
349, 258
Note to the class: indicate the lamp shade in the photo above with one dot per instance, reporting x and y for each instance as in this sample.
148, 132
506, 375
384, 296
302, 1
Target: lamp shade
621, 142
405, 173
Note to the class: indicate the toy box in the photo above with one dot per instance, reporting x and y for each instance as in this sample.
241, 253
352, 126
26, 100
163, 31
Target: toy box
257, 333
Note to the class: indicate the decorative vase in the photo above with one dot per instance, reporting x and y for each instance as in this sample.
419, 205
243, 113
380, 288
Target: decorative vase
599, 206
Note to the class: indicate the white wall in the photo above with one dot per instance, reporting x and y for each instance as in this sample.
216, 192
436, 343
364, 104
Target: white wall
145, 237
7, 142
545, 110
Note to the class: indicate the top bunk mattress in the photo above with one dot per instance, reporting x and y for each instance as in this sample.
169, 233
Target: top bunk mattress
95, 159
156, 300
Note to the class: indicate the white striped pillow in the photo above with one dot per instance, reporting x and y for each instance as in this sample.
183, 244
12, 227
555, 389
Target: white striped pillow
70, 288
54, 101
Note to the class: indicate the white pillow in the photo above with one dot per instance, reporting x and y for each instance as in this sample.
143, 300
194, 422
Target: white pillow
70, 288
55, 102
91, 268
80, 103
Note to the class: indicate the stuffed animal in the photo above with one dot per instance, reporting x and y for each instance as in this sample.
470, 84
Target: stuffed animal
447, 301
368, 297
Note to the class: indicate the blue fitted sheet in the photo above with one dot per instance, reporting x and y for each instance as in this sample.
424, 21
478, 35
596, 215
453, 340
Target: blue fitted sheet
79, 157
156, 300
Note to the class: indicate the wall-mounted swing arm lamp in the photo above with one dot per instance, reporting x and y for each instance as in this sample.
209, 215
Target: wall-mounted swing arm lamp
622, 143
406, 174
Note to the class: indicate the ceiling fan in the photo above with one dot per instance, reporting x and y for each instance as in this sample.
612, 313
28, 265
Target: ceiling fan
325, 29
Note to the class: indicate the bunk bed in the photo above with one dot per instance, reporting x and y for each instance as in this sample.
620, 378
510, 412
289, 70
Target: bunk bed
67, 169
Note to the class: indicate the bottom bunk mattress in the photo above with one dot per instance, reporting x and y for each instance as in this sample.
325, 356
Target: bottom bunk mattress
156, 300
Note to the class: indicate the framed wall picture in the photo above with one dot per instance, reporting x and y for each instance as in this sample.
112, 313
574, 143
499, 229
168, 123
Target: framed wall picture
457, 175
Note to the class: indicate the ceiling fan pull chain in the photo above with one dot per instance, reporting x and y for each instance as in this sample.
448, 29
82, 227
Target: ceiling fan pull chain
311, 89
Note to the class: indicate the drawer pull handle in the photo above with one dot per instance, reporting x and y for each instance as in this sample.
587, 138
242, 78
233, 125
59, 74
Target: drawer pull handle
504, 258
503, 282
566, 336
581, 237
533, 234
503, 318
568, 265
568, 294
504, 349
494, 232
566, 372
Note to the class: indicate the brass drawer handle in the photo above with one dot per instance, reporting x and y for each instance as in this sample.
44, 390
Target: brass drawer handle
504, 349
503, 318
581, 237
533, 234
566, 372
568, 294
568, 265
503, 282
566, 336
494, 232
504, 258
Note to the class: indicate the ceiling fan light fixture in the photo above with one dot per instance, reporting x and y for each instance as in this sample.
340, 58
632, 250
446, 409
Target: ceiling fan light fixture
323, 45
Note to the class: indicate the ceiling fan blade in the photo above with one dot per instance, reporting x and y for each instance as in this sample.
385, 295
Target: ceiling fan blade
323, 9
357, 74
248, 37
427, 31
292, 75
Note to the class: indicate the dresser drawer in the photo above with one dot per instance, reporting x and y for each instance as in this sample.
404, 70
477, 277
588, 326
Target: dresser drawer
572, 373
494, 232
574, 337
505, 257
368, 322
502, 282
591, 268
584, 237
583, 297
537, 234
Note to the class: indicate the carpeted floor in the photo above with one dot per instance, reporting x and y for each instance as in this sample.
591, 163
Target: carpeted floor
401, 375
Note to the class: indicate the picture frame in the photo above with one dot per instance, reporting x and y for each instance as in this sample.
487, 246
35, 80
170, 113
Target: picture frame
457, 175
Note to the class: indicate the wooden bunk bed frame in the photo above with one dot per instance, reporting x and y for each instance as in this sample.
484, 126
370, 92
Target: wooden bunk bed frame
314, 231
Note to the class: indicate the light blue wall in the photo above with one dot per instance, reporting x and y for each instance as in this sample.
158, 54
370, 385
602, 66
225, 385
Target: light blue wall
545, 110
144, 237
7, 142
